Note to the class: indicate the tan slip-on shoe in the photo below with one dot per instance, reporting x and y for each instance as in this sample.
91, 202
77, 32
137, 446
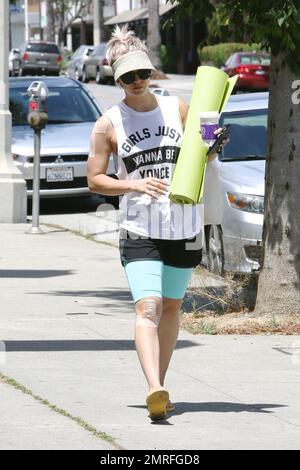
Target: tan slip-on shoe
157, 404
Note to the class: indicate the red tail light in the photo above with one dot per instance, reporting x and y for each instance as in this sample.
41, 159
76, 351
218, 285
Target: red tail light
105, 61
25, 56
242, 69
59, 59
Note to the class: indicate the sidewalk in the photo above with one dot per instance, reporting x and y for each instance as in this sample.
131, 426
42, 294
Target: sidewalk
67, 329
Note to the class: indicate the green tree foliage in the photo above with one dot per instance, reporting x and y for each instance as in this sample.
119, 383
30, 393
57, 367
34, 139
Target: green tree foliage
273, 24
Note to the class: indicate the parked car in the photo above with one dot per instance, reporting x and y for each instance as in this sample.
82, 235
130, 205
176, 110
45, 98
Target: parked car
76, 67
97, 67
40, 57
236, 188
253, 69
65, 142
14, 62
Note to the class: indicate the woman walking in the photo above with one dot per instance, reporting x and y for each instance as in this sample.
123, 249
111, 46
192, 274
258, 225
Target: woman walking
159, 240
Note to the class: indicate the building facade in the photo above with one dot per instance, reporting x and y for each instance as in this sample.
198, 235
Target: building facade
180, 41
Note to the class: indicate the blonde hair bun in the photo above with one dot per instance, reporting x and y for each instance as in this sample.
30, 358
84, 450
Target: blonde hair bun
122, 41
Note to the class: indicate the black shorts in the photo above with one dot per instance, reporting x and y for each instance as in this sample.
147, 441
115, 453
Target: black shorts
186, 253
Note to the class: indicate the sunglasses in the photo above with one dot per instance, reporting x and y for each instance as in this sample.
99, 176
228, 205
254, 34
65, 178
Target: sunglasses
129, 77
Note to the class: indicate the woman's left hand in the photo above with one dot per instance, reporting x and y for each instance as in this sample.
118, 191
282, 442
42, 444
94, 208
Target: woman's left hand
212, 156
225, 141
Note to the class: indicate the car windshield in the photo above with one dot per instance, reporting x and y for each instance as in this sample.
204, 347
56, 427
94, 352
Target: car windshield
248, 135
64, 105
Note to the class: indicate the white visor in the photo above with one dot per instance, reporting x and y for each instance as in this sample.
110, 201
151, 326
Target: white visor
135, 60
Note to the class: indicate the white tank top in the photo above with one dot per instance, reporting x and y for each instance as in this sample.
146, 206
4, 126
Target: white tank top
148, 144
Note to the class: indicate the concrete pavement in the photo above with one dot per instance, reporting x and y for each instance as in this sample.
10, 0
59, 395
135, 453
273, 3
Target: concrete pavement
67, 327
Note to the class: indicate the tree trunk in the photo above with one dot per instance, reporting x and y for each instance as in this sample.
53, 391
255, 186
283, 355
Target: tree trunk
82, 32
154, 38
50, 29
279, 279
98, 22
61, 26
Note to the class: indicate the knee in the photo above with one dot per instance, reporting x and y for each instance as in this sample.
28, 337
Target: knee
148, 312
171, 306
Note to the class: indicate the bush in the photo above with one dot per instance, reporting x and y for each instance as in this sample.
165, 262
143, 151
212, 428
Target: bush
169, 56
66, 56
218, 54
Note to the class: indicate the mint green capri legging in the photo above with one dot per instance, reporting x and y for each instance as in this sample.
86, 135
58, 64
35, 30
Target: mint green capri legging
149, 278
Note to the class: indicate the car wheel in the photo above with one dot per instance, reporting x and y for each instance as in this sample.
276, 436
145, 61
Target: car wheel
84, 77
77, 75
215, 249
99, 79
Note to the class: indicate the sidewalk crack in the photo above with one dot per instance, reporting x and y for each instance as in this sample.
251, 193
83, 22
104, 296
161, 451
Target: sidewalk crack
81, 422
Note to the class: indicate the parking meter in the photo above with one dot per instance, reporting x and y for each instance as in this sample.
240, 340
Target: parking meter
37, 119
37, 113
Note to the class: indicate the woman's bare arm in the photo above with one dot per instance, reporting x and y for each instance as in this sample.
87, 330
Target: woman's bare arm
103, 143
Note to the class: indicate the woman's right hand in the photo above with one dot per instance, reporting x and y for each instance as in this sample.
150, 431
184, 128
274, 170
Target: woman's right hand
152, 186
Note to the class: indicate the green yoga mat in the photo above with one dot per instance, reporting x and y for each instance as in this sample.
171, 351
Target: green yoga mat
212, 88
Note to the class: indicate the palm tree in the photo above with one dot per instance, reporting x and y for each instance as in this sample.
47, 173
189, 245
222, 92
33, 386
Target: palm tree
153, 35
50, 28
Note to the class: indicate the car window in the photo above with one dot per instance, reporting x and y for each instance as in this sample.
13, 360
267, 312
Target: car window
42, 47
248, 134
78, 52
101, 49
231, 61
254, 60
64, 105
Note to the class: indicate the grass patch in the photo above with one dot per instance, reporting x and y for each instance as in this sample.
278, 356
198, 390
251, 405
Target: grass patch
98, 434
239, 324
225, 306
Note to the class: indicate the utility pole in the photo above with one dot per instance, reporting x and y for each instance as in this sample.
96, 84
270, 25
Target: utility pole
98, 22
13, 199
26, 20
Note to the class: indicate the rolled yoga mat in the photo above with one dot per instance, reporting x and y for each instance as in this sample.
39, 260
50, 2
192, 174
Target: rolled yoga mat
212, 88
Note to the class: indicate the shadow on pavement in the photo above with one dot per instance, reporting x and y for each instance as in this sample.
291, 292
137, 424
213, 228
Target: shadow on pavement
80, 345
218, 407
34, 273
71, 205
110, 294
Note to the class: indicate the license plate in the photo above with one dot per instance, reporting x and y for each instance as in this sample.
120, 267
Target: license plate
42, 62
59, 174
260, 72
16, 64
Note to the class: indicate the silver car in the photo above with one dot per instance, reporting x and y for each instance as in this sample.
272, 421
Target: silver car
97, 67
14, 62
40, 57
65, 142
76, 67
235, 188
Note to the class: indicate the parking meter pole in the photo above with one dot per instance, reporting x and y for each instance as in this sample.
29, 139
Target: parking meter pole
36, 183
37, 119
